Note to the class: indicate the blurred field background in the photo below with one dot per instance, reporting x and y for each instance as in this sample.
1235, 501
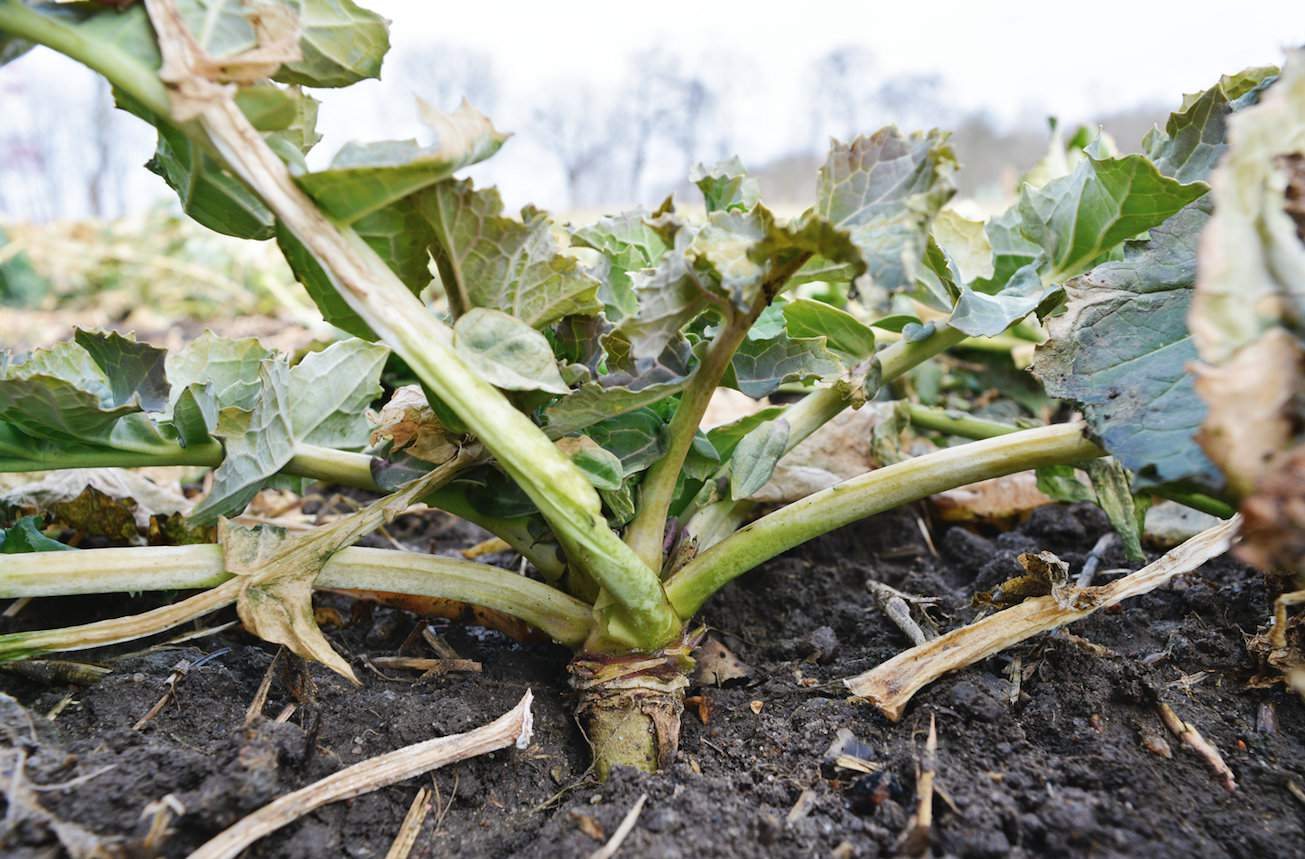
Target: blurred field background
608, 111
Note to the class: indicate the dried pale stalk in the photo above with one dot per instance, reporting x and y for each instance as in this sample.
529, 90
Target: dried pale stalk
1192, 738
891, 685
608, 850
513, 727
915, 838
411, 828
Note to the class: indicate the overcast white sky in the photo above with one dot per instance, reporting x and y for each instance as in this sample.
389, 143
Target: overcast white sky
1016, 61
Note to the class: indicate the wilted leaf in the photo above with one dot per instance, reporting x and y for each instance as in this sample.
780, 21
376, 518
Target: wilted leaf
227, 368
366, 177
1115, 497
277, 572
207, 191
717, 664
1245, 317
506, 352
490, 261
107, 502
885, 189
1000, 499
407, 424
755, 457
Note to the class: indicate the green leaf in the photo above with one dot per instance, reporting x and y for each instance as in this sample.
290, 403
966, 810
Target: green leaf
1062, 229
726, 186
761, 366
1121, 353
60, 391
366, 177
1110, 481
627, 243
227, 368
593, 402
726, 437
1195, 136
756, 456
25, 536
309, 272
668, 296
506, 352
341, 44
208, 193
1061, 483
322, 400
637, 438
843, 332
20, 284
401, 237
487, 260
602, 467
885, 190
135, 370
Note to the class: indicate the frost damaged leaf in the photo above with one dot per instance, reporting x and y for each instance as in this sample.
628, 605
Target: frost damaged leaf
106, 502
1245, 317
755, 457
885, 189
340, 44
506, 352
668, 297
726, 186
277, 572
1121, 352
409, 425
322, 400
491, 261
366, 177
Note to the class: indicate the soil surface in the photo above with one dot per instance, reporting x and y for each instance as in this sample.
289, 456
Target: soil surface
1060, 771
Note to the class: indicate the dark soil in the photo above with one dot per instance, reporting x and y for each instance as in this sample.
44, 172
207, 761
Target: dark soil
1061, 772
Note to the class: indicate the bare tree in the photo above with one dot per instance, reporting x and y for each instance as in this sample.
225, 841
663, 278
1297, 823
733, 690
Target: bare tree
443, 74
842, 94
577, 126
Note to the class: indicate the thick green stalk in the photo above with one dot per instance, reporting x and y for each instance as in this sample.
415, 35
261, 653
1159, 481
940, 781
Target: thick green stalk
646, 534
562, 617
875, 492
965, 426
709, 524
562, 494
123, 70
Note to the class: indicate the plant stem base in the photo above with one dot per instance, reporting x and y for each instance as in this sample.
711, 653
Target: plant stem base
630, 706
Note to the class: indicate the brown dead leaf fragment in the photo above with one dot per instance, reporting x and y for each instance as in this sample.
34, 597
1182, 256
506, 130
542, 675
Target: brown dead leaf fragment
1000, 501
410, 425
588, 825
717, 664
